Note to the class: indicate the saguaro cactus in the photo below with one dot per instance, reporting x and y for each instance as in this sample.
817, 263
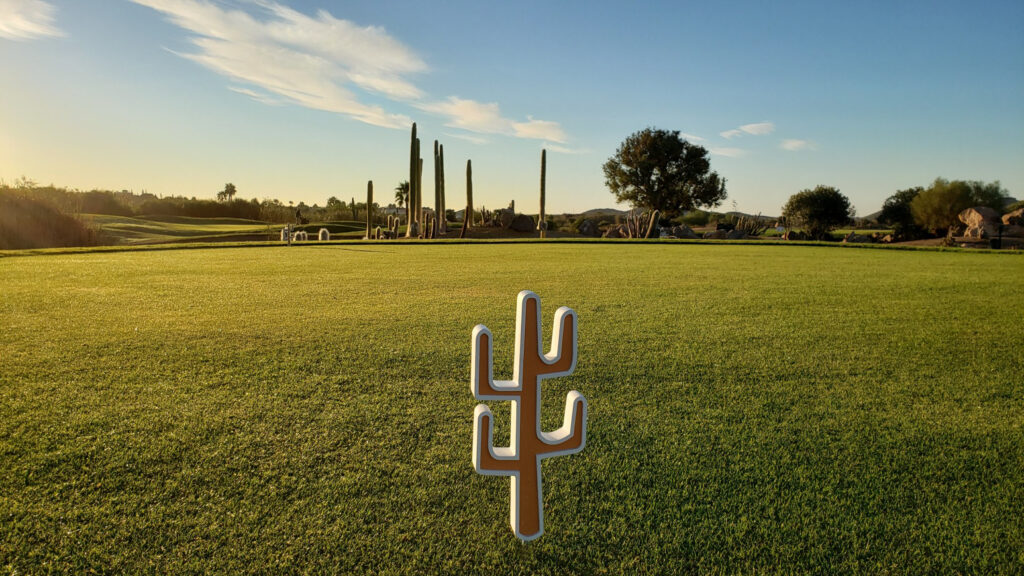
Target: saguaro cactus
542, 224
410, 203
443, 210
653, 223
469, 195
521, 460
437, 180
369, 208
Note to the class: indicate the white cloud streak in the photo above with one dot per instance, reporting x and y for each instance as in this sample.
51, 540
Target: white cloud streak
479, 140
564, 150
317, 62
487, 119
260, 97
757, 129
27, 20
796, 145
691, 137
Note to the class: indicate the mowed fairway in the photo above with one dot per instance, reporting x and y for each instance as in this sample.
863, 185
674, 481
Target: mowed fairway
307, 409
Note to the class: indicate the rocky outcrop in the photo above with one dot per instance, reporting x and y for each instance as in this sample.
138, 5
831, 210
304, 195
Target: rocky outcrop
716, 235
1015, 218
522, 223
589, 228
682, 231
981, 222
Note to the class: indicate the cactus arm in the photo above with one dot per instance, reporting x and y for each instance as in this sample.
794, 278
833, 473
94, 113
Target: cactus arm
561, 360
481, 377
487, 460
572, 436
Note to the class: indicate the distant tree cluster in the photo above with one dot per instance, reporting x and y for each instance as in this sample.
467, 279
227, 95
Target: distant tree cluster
934, 209
126, 203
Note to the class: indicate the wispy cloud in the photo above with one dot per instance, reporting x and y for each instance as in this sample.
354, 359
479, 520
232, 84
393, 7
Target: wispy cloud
564, 150
27, 20
691, 137
320, 62
797, 145
757, 129
467, 137
486, 118
728, 152
260, 97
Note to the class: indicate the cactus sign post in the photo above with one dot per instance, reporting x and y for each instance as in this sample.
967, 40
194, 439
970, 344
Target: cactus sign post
521, 460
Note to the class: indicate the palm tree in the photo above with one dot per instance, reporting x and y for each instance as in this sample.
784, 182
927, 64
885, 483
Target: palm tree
402, 193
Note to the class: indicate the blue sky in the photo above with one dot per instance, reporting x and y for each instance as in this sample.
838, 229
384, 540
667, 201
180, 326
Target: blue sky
303, 100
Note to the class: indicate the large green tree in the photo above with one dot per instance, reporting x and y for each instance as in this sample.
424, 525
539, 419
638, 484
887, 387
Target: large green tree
819, 210
896, 211
937, 207
658, 170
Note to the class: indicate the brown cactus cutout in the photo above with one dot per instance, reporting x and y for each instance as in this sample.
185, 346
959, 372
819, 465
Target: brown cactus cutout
529, 444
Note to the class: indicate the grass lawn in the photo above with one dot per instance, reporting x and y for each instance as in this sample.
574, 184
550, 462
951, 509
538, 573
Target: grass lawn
763, 409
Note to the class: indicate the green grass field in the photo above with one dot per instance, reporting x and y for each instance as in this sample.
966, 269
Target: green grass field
753, 409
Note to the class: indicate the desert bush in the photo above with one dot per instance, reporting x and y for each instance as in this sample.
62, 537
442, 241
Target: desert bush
818, 210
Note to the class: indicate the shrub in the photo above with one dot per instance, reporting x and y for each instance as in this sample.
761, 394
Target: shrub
818, 210
896, 212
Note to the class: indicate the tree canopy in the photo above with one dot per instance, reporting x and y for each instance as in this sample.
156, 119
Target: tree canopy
896, 210
228, 194
937, 207
819, 210
658, 170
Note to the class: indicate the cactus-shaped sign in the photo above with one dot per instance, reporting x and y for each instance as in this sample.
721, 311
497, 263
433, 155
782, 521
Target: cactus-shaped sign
521, 460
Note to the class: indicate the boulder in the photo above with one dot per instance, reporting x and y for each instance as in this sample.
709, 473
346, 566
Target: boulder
505, 218
1015, 218
522, 223
854, 238
683, 231
1013, 231
589, 228
981, 222
888, 239
716, 235
736, 235
794, 235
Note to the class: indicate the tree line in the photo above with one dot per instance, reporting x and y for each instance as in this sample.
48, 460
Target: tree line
129, 203
658, 170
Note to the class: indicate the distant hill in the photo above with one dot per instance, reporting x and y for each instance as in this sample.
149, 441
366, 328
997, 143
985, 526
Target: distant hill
599, 212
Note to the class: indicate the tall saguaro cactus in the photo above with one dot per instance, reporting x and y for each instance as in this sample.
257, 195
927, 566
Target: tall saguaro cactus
469, 195
521, 460
542, 224
410, 204
437, 179
443, 211
369, 208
